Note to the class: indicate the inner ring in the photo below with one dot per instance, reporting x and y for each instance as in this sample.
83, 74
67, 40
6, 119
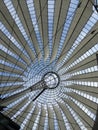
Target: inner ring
51, 79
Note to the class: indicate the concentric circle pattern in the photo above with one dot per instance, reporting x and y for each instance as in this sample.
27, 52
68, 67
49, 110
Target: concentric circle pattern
51, 80
42, 36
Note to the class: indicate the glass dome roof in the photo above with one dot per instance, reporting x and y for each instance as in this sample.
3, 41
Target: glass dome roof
42, 36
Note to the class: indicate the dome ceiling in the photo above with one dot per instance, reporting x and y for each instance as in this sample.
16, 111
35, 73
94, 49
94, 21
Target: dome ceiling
38, 37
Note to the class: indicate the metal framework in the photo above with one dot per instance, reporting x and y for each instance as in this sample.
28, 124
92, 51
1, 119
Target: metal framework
42, 36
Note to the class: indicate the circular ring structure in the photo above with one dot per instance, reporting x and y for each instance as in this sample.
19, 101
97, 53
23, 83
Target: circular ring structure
51, 79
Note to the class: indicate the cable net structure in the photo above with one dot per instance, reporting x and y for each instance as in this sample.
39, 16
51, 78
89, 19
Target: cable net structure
57, 40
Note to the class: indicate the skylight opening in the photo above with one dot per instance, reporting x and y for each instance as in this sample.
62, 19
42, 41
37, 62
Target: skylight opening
85, 95
51, 79
11, 65
91, 51
86, 83
66, 122
10, 84
32, 12
9, 106
27, 118
46, 126
20, 110
77, 118
13, 40
10, 74
56, 126
17, 20
7, 51
85, 71
83, 107
88, 26
35, 125
12, 92
51, 4
68, 20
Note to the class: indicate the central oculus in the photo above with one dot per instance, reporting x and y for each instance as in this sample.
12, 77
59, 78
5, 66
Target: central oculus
51, 79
